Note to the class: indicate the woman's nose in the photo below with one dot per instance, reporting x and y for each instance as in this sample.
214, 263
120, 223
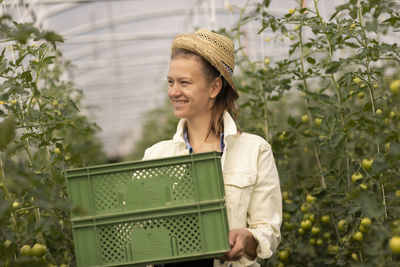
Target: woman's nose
174, 90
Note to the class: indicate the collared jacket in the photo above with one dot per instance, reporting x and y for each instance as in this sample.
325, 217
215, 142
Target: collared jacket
253, 196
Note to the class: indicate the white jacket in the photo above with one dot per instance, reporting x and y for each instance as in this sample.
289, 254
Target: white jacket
253, 196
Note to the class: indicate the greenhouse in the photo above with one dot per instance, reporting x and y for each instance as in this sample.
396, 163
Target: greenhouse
200, 133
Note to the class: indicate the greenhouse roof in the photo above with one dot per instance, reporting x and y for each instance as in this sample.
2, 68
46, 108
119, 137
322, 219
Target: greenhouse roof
120, 50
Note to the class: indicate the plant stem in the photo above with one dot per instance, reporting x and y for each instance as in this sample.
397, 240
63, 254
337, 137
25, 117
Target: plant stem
360, 20
242, 10
265, 116
323, 184
3, 179
361, 257
371, 93
6, 192
336, 229
339, 94
384, 200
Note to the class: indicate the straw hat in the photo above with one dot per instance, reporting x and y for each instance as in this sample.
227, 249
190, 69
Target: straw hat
213, 47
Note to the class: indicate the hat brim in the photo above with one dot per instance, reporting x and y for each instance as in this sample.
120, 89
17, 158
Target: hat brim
199, 46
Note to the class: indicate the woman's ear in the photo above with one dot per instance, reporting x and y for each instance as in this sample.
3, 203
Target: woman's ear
215, 87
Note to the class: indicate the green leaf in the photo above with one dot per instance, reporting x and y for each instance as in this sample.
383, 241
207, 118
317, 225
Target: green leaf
392, 20
27, 76
73, 104
394, 149
311, 60
292, 122
53, 37
352, 45
7, 132
379, 163
371, 207
333, 67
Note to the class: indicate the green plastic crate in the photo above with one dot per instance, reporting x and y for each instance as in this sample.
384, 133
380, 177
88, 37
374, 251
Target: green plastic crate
153, 211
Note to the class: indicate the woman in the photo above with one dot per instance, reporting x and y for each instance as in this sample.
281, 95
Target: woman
203, 96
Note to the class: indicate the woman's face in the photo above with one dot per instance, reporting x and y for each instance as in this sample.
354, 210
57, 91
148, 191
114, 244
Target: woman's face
190, 92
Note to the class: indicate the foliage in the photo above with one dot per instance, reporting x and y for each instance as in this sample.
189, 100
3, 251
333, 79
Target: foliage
345, 119
42, 132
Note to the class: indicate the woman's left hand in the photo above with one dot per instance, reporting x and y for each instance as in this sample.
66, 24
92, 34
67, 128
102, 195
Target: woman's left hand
241, 241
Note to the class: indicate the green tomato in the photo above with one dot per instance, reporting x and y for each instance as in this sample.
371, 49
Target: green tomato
310, 198
286, 216
366, 221
358, 236
367, 163
16, 205
305, 207
356, 80
354, 256
283, 255
356, 176
304, 118
327, 236
39, 250
301, 231
285, 195
7, 243
26, 250
364, 186
395, 86
342, 225
362, 229
311, 217
394, 244
325, 219
306, 224
317, 121
315, 230
333, 249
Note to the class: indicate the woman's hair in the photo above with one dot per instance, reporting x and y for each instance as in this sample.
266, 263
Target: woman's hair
225, 100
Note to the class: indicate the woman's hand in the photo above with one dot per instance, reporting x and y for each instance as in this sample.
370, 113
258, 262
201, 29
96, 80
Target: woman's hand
241, 241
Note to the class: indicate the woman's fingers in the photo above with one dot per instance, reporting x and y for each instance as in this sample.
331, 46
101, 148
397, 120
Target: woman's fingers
236, 242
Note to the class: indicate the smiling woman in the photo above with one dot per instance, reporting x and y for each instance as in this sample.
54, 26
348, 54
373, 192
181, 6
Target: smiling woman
203, 94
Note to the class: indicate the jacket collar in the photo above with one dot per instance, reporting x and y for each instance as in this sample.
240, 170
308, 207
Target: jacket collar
229, 128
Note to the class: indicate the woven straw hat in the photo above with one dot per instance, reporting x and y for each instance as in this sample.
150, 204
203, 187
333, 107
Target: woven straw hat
213, 47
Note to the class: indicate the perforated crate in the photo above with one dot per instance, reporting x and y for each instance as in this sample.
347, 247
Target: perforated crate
155, 211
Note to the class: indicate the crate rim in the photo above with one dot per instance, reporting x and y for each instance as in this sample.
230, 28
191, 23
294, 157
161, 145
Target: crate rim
69, 173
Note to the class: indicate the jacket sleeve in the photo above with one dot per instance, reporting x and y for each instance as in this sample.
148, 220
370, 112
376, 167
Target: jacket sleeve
265, 211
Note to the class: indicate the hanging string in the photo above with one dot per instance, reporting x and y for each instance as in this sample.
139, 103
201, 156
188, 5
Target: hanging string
213, 13
11, 43
262, 35
19, 15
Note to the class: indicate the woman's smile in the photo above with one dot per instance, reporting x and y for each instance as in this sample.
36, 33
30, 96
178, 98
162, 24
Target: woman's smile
179, 103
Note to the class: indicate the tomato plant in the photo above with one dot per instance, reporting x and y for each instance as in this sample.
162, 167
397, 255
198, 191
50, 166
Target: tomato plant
42, 132
330, 109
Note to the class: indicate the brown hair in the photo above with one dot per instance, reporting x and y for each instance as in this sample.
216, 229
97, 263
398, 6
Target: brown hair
225, 99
